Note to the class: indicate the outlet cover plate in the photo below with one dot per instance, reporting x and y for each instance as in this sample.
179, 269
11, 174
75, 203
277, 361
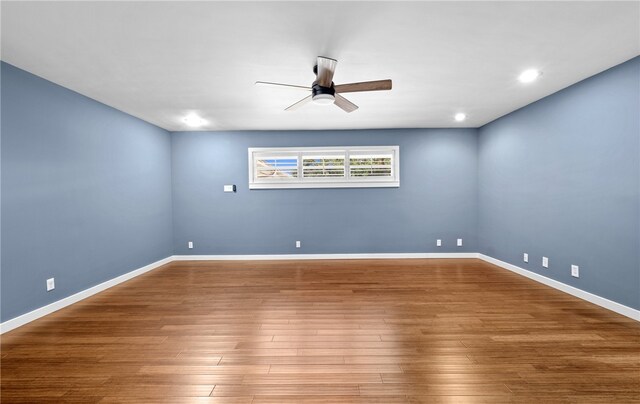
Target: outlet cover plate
575, 271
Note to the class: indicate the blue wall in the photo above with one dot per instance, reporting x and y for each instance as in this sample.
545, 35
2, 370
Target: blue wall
86, 192
436, 198
561, 178
89, 193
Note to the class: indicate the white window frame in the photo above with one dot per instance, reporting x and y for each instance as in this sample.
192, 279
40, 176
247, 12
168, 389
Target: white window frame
346, 182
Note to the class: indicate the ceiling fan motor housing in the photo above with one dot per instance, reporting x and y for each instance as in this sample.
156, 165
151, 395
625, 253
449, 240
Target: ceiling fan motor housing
317, 89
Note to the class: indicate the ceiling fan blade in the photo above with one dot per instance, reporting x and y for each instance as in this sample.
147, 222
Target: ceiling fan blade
364, 86
268, 83
298, 104
326, 68
345, 104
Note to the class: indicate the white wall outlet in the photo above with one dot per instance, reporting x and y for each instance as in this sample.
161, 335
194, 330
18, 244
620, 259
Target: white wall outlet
438, 243
229, 188
298, 244
575, 271
51, 284
525, 257
545, 262
190, 244
459, 242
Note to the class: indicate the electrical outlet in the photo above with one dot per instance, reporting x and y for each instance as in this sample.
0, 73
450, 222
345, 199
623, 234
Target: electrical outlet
190, 244
545, 262
575, 271
51, 284
525, 257
298, 244
438, 243
459, 242
229, 188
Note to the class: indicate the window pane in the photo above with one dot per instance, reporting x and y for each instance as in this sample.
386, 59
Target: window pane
276, 167
370, 165
322, 166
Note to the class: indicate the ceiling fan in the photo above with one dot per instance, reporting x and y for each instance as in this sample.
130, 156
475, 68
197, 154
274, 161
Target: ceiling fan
324, 91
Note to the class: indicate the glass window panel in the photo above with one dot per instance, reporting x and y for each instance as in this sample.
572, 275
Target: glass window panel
323, 166
276, 167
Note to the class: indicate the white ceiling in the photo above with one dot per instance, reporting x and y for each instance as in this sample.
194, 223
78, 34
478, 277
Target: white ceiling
162, 60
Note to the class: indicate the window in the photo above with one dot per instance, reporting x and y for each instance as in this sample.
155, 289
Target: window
324, 167
277, 167
370, 165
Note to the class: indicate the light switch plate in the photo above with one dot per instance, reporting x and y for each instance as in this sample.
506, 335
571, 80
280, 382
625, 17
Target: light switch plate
525, 257
545, 262
51, 284
229, 188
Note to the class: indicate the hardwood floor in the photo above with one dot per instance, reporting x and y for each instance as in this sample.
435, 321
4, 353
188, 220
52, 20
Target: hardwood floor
365, 331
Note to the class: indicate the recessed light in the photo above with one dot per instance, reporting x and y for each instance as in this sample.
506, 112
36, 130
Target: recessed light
529, 75
193, 120
460, 117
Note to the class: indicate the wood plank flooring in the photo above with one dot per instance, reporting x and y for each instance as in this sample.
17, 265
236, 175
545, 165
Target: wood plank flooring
353, 331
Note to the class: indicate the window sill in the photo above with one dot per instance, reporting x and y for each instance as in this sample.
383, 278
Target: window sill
363, 184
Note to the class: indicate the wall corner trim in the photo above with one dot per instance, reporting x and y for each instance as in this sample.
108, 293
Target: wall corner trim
69, 300
579, 293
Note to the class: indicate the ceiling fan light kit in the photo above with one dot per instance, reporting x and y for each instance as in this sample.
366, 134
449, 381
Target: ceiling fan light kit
323, 95
325, 92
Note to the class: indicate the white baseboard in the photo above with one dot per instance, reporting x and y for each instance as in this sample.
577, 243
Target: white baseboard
55, 306
62, 303
321, 256
590, 297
